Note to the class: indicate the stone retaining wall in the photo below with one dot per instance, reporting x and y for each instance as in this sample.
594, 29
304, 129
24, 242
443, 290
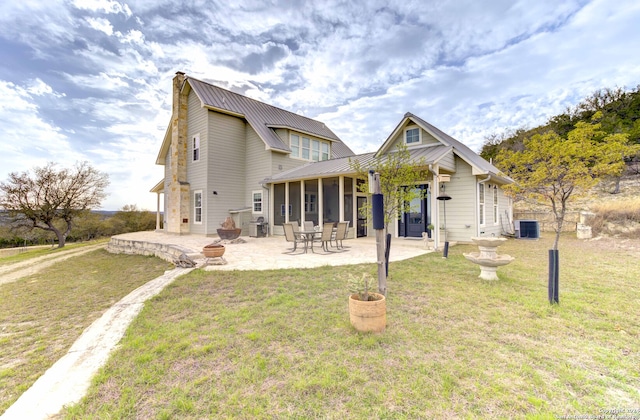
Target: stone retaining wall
167, 252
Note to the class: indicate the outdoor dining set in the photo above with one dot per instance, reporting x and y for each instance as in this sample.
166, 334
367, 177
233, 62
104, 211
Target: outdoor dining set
329, 235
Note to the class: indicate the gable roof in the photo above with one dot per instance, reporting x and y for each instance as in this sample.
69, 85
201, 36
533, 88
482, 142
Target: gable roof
264, 118
478, 164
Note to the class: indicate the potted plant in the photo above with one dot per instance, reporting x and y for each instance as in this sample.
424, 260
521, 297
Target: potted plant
367, 309
430, 228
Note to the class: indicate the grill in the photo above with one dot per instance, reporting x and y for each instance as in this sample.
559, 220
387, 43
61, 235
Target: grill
258, 228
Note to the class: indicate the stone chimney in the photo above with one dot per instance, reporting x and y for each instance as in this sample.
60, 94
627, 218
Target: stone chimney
178, 192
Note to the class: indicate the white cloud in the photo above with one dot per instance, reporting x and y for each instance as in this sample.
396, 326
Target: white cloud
106, 6
100, 24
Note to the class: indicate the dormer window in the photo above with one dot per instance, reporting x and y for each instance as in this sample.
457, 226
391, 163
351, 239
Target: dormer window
308, 149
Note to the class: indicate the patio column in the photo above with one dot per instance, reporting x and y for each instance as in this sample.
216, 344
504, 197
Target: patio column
303, 214
341, 197
286, 202
435, 206
158, 211
320, 203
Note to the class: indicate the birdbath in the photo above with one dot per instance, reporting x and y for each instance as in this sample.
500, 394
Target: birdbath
488, 258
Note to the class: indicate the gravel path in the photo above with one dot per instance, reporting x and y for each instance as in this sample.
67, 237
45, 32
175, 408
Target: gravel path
13, 272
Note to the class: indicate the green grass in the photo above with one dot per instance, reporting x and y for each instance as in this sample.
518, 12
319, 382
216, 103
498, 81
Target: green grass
43, 314
265, 344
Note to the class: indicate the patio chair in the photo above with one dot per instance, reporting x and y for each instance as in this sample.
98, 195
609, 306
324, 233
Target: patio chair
290, 236
308, 225
327, 236
341, 233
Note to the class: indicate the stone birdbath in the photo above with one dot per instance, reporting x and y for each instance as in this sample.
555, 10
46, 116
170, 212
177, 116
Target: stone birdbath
488, 258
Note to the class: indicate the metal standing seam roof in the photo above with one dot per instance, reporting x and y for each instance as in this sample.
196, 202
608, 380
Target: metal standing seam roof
263, 118
335, 167
460, 148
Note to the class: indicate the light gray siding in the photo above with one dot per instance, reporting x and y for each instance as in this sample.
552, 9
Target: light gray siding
448, 162
427, 138
259, 166
493, 225
226, 151
461, 209
197, 170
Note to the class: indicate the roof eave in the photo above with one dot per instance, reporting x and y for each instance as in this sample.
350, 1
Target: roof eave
164, 148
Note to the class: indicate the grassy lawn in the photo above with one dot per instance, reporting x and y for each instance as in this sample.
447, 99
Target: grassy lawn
267, 344
43, 314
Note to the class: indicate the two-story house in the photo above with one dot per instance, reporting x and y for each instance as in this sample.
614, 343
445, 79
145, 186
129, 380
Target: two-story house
229, 155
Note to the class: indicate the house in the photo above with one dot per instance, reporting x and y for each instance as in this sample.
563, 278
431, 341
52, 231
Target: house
228, 155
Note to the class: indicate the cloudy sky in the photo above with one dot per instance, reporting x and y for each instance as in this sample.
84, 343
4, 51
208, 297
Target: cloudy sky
90, 79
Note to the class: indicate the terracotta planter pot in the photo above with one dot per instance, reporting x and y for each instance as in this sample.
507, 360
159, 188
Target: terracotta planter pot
368, 315
213, 250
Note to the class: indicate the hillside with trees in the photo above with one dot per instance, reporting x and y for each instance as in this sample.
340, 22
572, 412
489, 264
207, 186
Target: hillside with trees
601, 136
618, 113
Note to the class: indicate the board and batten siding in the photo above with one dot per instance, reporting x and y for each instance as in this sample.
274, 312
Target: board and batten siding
196, 171
226, 150
461, 209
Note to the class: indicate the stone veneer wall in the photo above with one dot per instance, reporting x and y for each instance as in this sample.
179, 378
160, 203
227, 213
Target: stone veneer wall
167, 252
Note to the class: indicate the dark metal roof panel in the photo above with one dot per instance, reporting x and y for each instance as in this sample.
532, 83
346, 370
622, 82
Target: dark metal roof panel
262, 117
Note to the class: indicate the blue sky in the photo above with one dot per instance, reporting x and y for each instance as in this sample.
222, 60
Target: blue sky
91, 79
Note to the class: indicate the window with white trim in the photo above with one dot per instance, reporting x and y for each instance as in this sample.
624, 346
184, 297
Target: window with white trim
197, 207
294, 143
481, 203
495, 204
310, 202
412, 136
309, 149
195, 144
257, 202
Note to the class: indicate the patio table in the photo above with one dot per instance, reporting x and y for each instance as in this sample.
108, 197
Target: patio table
308, 236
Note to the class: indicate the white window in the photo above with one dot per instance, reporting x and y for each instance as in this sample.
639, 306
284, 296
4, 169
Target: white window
309, 149
197, 207
310, 203
495, 204
195, 144
295, 145
325, 151
257, 202
412, 136
481, 203
306, 143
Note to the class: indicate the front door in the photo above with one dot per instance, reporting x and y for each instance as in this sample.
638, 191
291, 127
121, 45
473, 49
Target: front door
361, 223
414, 222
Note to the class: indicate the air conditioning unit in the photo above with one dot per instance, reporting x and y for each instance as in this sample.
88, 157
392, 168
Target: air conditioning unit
527, 229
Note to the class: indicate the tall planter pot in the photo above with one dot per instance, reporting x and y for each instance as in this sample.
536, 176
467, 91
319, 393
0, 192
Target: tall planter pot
368, 316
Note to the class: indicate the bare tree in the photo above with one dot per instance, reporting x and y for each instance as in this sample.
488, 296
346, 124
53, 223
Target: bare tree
50, 199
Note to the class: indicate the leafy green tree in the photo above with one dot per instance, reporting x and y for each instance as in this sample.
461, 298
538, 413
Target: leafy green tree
52, 199
134, 220
553, 170
397, 171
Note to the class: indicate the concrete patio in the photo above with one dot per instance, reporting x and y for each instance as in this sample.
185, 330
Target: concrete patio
260, 253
